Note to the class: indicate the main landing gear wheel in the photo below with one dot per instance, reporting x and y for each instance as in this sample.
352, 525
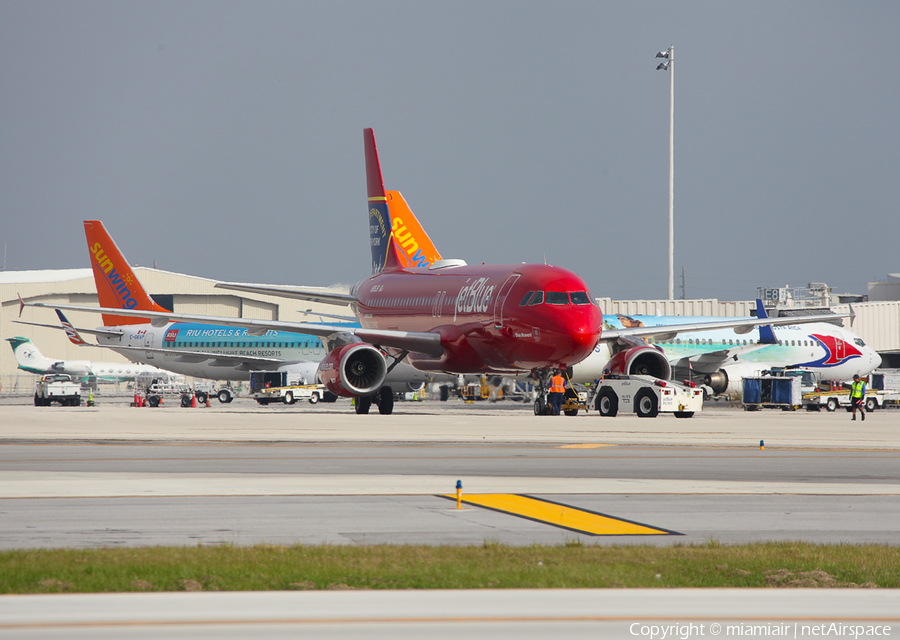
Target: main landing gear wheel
386, 401
362, 405
607, 403
646, 404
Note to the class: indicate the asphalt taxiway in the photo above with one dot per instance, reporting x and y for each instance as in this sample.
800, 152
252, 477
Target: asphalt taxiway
116, 476
113, 475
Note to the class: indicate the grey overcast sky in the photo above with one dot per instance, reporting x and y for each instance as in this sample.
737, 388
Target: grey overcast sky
224, 139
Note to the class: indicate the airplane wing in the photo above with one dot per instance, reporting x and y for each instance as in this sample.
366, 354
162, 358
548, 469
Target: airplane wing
712, 361
97, 332
325, 297
740, 325
247, 363
334, 335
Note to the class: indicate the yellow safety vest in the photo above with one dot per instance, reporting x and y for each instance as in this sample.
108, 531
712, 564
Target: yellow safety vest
858, 389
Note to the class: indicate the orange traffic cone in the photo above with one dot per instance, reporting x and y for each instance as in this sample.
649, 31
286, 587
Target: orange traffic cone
193, 401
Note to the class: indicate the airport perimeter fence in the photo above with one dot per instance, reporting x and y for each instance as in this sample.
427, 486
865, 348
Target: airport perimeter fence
23, 385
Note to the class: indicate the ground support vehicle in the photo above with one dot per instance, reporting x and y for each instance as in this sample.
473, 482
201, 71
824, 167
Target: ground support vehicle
57, 387
772, 392
206, 390
484, 389
835, 398
646, 396
158, 392
282, 386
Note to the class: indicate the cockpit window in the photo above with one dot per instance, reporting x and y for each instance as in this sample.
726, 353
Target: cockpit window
557, 297
526, 298
859, 342
580, 297
537, 299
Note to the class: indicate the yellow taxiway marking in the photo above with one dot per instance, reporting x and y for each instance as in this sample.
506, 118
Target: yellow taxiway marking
560, 515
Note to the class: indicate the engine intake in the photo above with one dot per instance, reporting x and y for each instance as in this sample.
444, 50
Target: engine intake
353, 370
644, 361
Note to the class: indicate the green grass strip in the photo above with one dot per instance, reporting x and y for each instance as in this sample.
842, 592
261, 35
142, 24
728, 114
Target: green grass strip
491, 565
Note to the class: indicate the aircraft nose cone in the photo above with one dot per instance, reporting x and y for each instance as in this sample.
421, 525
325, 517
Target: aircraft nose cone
876, 359
583, 331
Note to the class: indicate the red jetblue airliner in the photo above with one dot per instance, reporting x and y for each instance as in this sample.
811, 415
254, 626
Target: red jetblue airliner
444, 316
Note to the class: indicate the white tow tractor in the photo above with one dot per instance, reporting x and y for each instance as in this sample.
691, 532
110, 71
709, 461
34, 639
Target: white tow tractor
646, 396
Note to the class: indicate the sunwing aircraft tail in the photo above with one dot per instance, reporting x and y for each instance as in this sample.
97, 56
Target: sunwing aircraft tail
414, 247
117, 286
397, 238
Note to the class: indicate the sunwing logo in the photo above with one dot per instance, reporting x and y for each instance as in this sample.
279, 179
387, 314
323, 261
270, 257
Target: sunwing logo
831, 359
117, 283
407, 243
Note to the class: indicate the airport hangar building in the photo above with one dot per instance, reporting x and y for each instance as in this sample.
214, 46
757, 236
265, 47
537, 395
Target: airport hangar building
878, 322
194, 295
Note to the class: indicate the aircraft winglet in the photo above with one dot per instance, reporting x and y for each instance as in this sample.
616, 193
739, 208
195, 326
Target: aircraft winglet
766, 334
71, 331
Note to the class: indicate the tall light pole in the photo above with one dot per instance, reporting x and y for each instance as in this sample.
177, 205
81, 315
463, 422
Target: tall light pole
669, 65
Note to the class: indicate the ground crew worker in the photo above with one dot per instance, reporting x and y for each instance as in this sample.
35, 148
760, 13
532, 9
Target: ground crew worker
557, 391
858, 396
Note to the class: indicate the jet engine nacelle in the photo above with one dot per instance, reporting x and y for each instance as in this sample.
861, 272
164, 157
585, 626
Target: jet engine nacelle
353, 370
717, 381
643, 360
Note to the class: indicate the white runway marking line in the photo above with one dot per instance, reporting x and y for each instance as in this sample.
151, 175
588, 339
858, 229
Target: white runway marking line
62, 484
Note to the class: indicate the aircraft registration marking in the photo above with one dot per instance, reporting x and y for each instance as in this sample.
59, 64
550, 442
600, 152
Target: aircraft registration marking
560, 515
